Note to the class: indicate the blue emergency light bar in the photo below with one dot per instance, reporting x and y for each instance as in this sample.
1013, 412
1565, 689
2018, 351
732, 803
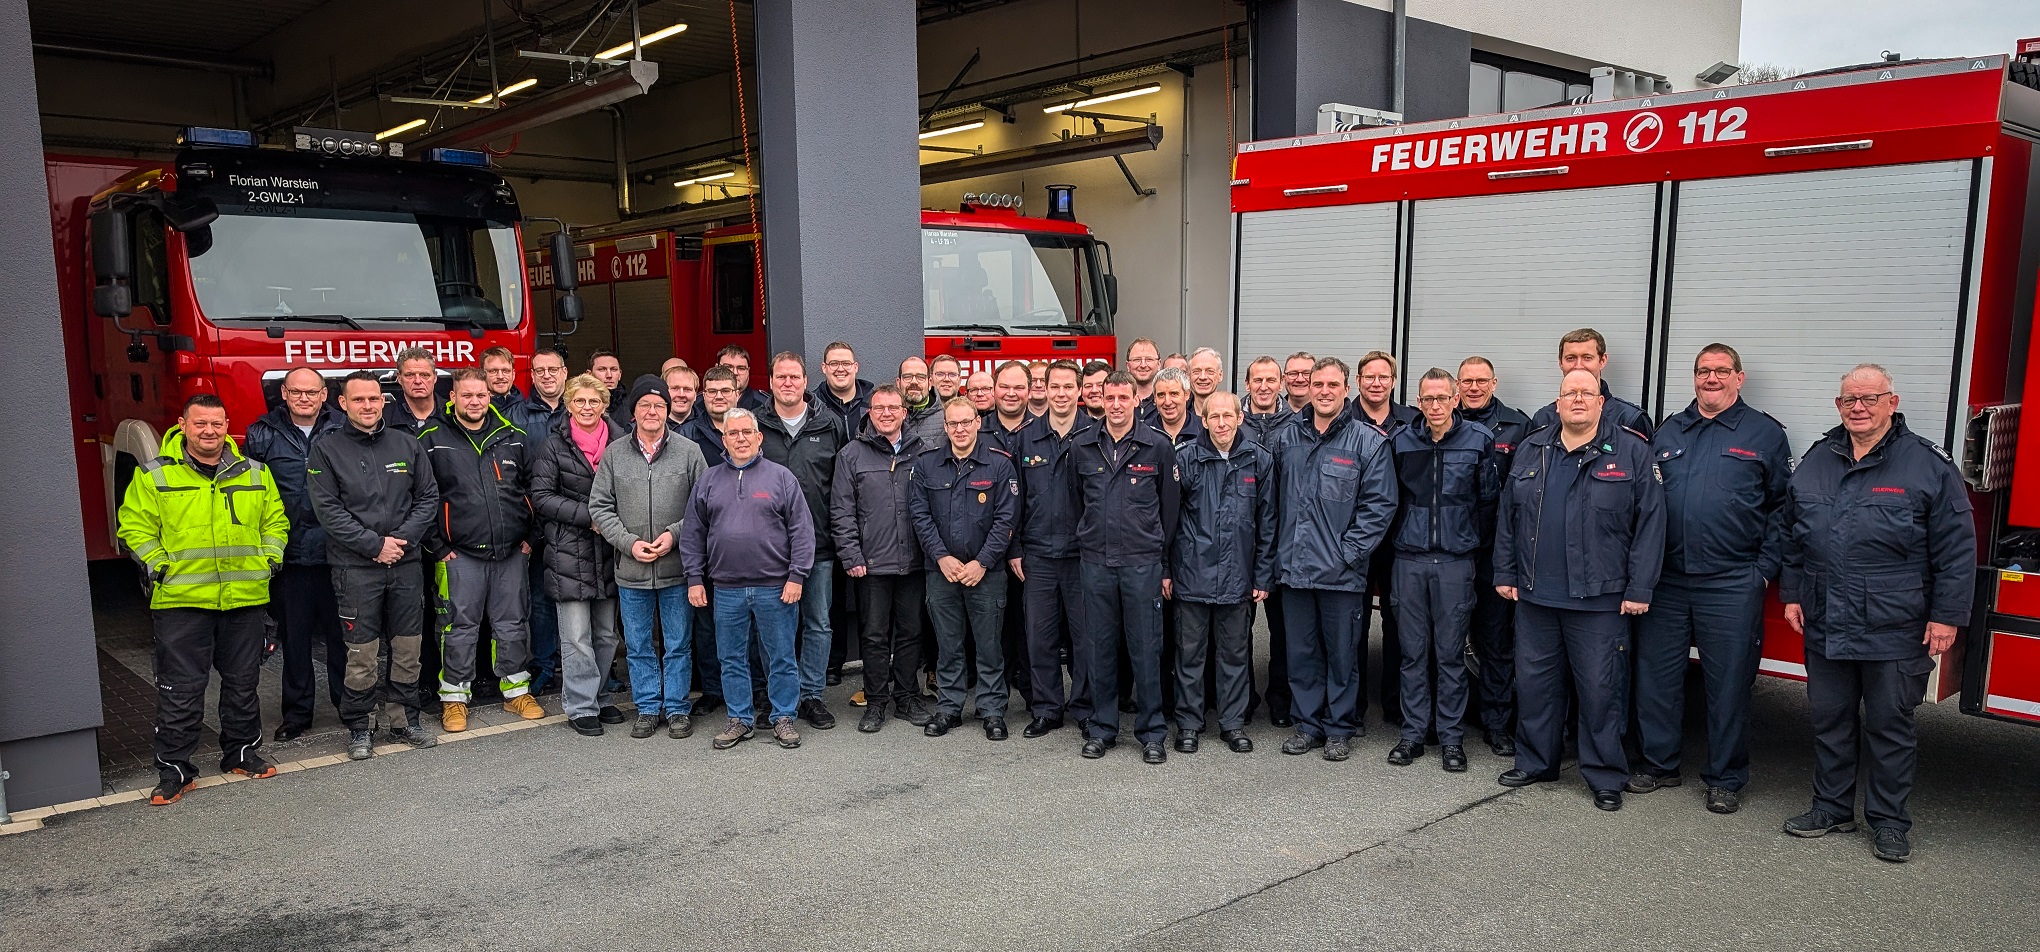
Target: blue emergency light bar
202, 137
468, 157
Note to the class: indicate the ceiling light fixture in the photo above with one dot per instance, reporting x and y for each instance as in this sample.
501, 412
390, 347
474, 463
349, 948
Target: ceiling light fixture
705, 178
620, 50
399, 130
965, 127
1108, 97
516, 87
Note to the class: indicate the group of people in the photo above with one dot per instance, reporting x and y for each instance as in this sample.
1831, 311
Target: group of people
1099, 539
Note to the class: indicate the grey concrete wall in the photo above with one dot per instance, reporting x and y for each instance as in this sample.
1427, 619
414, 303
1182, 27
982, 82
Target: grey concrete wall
49, 676
841, 184
1309, 52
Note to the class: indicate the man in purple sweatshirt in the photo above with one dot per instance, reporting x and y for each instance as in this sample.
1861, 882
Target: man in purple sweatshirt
748, 533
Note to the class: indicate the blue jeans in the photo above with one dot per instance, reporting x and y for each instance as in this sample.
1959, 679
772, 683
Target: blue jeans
737, 610
815, 634
658, 682
544, 628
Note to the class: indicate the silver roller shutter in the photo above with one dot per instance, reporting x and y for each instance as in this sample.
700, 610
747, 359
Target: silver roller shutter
1315, 279
1808, 274
1504, 276
644, 325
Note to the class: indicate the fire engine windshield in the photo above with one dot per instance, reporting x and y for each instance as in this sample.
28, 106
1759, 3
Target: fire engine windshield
325, 266
1010, 282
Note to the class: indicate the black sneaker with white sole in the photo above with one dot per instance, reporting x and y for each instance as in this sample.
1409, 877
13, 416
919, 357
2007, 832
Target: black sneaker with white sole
1818, 822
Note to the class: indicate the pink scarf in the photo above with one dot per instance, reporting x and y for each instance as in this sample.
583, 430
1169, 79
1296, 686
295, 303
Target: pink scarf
591, 442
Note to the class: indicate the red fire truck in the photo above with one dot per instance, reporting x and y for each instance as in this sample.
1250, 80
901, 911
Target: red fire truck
1878, 214
996, 285
216, 271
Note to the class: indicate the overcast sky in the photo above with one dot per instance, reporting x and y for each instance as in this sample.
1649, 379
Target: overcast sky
1815, 34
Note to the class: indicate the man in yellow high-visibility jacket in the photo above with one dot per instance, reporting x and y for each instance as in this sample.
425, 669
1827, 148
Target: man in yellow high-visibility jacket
208, 527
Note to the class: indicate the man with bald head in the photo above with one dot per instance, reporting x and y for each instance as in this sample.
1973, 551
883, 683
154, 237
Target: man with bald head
1579, 542
1879, 572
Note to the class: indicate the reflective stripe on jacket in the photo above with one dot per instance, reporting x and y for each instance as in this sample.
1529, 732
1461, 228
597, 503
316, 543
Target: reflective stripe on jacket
204, 543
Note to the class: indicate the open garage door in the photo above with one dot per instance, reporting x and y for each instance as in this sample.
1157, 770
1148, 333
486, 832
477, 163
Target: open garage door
1315, 279
1811, 273
1504, 276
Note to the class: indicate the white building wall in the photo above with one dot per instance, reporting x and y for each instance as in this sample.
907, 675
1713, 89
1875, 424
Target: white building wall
1675, 40
1171, 250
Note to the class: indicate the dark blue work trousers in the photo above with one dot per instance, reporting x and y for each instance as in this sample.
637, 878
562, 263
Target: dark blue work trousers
1492, 643
1589, 650
1862, 714
1054, 608
1123, 605
1325, 635
1434, 609
1723, 615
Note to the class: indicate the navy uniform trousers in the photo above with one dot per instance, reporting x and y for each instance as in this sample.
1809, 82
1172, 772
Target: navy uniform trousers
1589, 649
1722, 614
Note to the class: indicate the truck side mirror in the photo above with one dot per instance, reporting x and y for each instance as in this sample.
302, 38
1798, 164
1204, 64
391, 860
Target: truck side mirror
113, 263
565, 277
567, 308
190, 215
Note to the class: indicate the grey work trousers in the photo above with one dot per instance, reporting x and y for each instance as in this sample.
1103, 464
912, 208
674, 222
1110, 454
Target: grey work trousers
473, 590
588, 641
1222, 633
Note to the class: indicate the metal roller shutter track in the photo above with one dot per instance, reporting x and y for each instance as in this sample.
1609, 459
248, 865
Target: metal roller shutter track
1316, 279
1808, 274
1504, 276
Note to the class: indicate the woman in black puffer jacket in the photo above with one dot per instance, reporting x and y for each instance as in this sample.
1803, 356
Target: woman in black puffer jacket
580, 567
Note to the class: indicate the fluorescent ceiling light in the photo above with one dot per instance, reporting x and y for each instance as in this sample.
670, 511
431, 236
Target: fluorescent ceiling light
518, 86
649, 38
706, 178
399, 130
966, 127
1108, 97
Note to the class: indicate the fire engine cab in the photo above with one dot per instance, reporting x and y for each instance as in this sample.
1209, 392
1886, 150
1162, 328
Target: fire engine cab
996, 285
217, 271
1878, 214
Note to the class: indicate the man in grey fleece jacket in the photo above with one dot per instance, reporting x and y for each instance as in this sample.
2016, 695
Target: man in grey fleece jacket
748, 532
639, 501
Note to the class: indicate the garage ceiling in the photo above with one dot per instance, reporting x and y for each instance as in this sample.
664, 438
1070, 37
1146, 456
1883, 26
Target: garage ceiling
236, 29
186, 26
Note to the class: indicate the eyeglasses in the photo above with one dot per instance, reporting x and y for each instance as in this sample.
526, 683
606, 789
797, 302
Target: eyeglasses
887, 408
1378, 378
733, 433
960, 424
1435, 398
1476, 381
1705, 373
1578, 396
547, 371
306, 394
839, 364
1866, 400
720, 391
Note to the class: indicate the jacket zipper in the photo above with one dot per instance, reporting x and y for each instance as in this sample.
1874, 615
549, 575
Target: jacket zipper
1543, 459
1437, 492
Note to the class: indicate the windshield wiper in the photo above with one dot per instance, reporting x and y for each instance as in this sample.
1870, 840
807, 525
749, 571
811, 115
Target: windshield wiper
308, 318
984, 328
1064, 328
